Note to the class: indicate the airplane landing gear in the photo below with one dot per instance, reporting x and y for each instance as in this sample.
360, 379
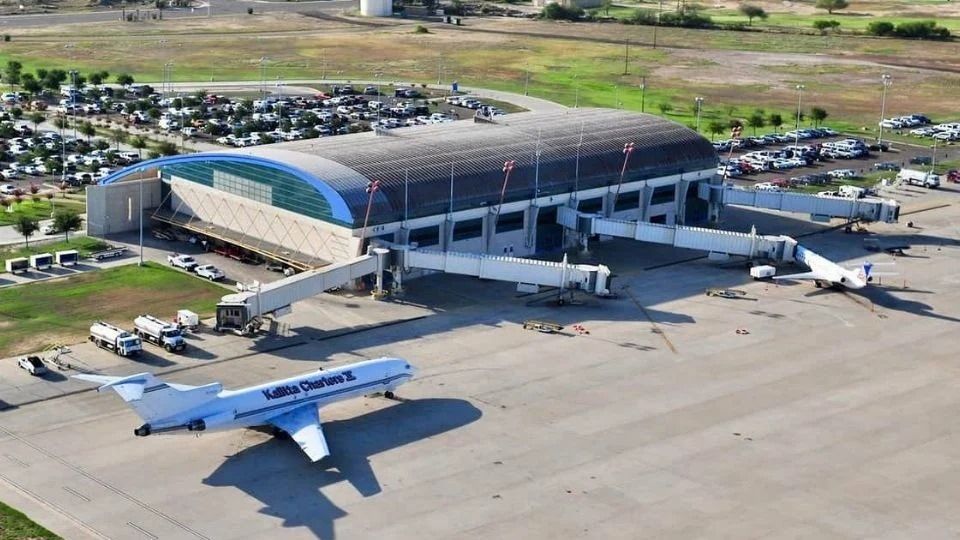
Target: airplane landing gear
389, 395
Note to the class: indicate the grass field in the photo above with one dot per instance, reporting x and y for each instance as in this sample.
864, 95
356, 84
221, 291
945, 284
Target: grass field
39, 210
15, 525
736, 72
61, 311
84, 244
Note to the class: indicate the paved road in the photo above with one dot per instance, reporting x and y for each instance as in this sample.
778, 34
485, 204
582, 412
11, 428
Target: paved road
216, 8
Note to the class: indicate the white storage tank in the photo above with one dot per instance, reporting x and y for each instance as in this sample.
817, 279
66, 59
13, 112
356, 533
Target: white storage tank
376, 8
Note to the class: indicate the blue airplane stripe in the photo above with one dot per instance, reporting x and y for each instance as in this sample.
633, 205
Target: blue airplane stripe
316, 397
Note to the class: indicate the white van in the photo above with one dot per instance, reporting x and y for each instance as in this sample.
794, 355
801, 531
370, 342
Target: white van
918, 178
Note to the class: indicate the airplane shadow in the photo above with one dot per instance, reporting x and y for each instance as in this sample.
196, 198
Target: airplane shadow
279, 475
884, 298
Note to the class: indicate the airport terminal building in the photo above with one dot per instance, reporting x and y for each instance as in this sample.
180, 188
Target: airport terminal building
305, 202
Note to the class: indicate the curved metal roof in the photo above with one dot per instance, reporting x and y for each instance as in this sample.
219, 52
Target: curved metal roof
577, 148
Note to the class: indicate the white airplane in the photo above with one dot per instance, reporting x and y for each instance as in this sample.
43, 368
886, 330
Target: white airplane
291, 405
825, 272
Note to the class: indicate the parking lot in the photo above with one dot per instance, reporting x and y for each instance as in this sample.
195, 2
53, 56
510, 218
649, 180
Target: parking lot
811, 165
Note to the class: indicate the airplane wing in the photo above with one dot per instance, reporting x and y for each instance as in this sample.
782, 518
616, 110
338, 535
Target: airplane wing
303, 425
804, 275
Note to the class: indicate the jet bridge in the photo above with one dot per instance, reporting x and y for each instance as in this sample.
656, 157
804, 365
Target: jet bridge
819, 208
753, 245
243, 312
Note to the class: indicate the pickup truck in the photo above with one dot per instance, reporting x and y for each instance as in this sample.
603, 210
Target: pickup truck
186, 262
210, 272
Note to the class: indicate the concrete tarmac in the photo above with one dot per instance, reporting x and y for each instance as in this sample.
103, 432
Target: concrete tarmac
831, 417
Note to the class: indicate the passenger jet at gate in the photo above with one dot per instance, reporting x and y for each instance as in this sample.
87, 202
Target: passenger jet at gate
825, 272
290, 405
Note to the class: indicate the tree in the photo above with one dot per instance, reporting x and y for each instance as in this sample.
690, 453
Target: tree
167, 148
664, 107
88, 130
775, 120
818, 115
53, 79
606, 5
139, 143
66, 221
26, 226
16, 113
756, 120
823, 25
715, 127
30, 84
124, 79
118, 136
61, 123
13, 72
101, 144
36, 118
753, 12
98, 77
831, 5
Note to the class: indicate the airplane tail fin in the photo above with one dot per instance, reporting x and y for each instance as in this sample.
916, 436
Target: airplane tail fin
153, 399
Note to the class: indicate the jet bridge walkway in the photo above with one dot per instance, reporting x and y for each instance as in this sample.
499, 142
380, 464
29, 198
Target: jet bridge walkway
243, 312
819, 208
752, 245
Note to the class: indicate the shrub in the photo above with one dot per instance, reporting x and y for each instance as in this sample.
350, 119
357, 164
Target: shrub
421, 29
6, 37
880, 28
249, 11
825, 24
556, 12
686, 19
921, 30
641, 16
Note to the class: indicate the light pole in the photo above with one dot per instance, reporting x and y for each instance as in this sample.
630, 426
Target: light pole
699, 101
576, 94
323, 63
140, 174
627, 150
379, 100
887, 81
440, 68
263, 76
507, 168
372, 187
73, 100
643, 93
796, 139
526, 84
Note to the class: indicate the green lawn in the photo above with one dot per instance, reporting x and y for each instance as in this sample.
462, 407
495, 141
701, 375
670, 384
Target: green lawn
40, 209
35, 315
84, 244
15, 525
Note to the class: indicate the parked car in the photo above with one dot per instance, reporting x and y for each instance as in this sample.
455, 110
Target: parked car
886, 166
33, 365
8, 189
210, 272
186, 262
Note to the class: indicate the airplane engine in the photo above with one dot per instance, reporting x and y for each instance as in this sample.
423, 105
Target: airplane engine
843, 280
210, 422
